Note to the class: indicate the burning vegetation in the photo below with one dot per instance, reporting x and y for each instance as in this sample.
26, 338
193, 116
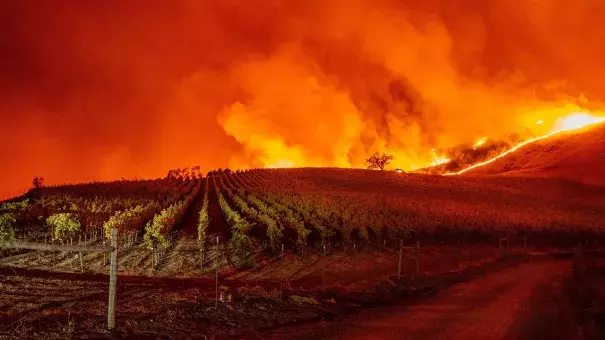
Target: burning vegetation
463, 158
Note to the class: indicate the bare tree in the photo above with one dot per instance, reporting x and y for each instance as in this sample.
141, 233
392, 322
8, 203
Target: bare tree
378, 161
38, 182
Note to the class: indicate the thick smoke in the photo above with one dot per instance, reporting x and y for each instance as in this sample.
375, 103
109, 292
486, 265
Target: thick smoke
116, 89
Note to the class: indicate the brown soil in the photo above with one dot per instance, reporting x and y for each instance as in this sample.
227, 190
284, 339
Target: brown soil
64, 305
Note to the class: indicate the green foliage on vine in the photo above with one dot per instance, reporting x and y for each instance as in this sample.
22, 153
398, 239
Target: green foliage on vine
15, 206
203, 221
240, 242
131, 218
8, 218
241, 248
164, 221
7, 222
65, 225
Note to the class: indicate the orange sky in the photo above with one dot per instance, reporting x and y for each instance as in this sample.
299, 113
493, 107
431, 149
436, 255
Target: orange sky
110, 89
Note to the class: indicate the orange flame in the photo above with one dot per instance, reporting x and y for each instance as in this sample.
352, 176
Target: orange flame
439, 159
479, 143
573, 121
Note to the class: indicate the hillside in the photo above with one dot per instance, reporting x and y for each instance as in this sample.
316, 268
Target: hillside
304, 207
577, 156
256, 214
275, 239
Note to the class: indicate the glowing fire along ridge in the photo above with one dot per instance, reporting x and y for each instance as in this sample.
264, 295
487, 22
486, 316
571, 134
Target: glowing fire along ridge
438, 160
574, 121
479, 143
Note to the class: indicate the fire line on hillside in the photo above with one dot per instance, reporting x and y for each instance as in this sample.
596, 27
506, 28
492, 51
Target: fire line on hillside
572, 122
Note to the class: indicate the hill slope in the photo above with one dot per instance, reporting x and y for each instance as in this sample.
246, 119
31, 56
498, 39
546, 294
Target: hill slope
577, 156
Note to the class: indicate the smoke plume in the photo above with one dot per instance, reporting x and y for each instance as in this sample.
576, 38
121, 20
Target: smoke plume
103, 90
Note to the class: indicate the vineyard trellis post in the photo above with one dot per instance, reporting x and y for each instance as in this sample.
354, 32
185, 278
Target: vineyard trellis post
525, 246
412, 252
104, 254
503, 245
81, 262
595, 254
202, 259
323, 270
80, 255
216, 276
417, 256
281, 274
400, 256
53, 247
380, 257
354, 257
113, 273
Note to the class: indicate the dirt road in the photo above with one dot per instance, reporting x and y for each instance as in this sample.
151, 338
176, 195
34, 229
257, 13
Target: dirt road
522, 302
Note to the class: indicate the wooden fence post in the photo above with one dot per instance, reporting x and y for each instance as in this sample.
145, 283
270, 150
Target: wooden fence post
113, 273
67, 247
104, 254
417, 256
507, 244
400, 254
525, 246
323, 270
354, 257
216, 276
503, 249
80, 254
81, 263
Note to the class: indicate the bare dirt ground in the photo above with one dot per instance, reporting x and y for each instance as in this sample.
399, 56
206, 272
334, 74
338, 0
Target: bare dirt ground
521, 302
508, 300
41, 304
348, 269
588, 292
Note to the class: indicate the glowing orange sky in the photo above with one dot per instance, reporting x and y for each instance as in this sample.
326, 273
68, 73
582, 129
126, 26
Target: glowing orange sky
110, 89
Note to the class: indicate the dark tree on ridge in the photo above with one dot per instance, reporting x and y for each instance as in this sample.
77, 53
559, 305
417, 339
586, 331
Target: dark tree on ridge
378, 161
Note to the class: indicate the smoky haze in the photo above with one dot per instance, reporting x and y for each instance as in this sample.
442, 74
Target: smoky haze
110, 89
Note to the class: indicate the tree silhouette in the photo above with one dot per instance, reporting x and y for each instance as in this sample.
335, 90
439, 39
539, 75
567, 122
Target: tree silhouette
378, 161
38, 182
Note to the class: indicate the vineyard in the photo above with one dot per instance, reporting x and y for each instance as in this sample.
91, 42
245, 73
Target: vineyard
264, 231
241, 220
314, 207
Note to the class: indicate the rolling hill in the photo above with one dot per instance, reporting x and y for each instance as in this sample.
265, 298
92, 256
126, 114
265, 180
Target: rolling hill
575, 155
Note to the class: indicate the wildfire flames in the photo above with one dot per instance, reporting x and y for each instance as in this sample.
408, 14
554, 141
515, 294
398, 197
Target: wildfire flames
130, 89
479, 143
438, 160
574, 121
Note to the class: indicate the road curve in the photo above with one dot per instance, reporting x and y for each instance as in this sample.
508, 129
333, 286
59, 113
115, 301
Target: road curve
502, 305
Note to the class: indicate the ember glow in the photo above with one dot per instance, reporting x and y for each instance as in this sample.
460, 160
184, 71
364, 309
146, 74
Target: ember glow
103, 90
